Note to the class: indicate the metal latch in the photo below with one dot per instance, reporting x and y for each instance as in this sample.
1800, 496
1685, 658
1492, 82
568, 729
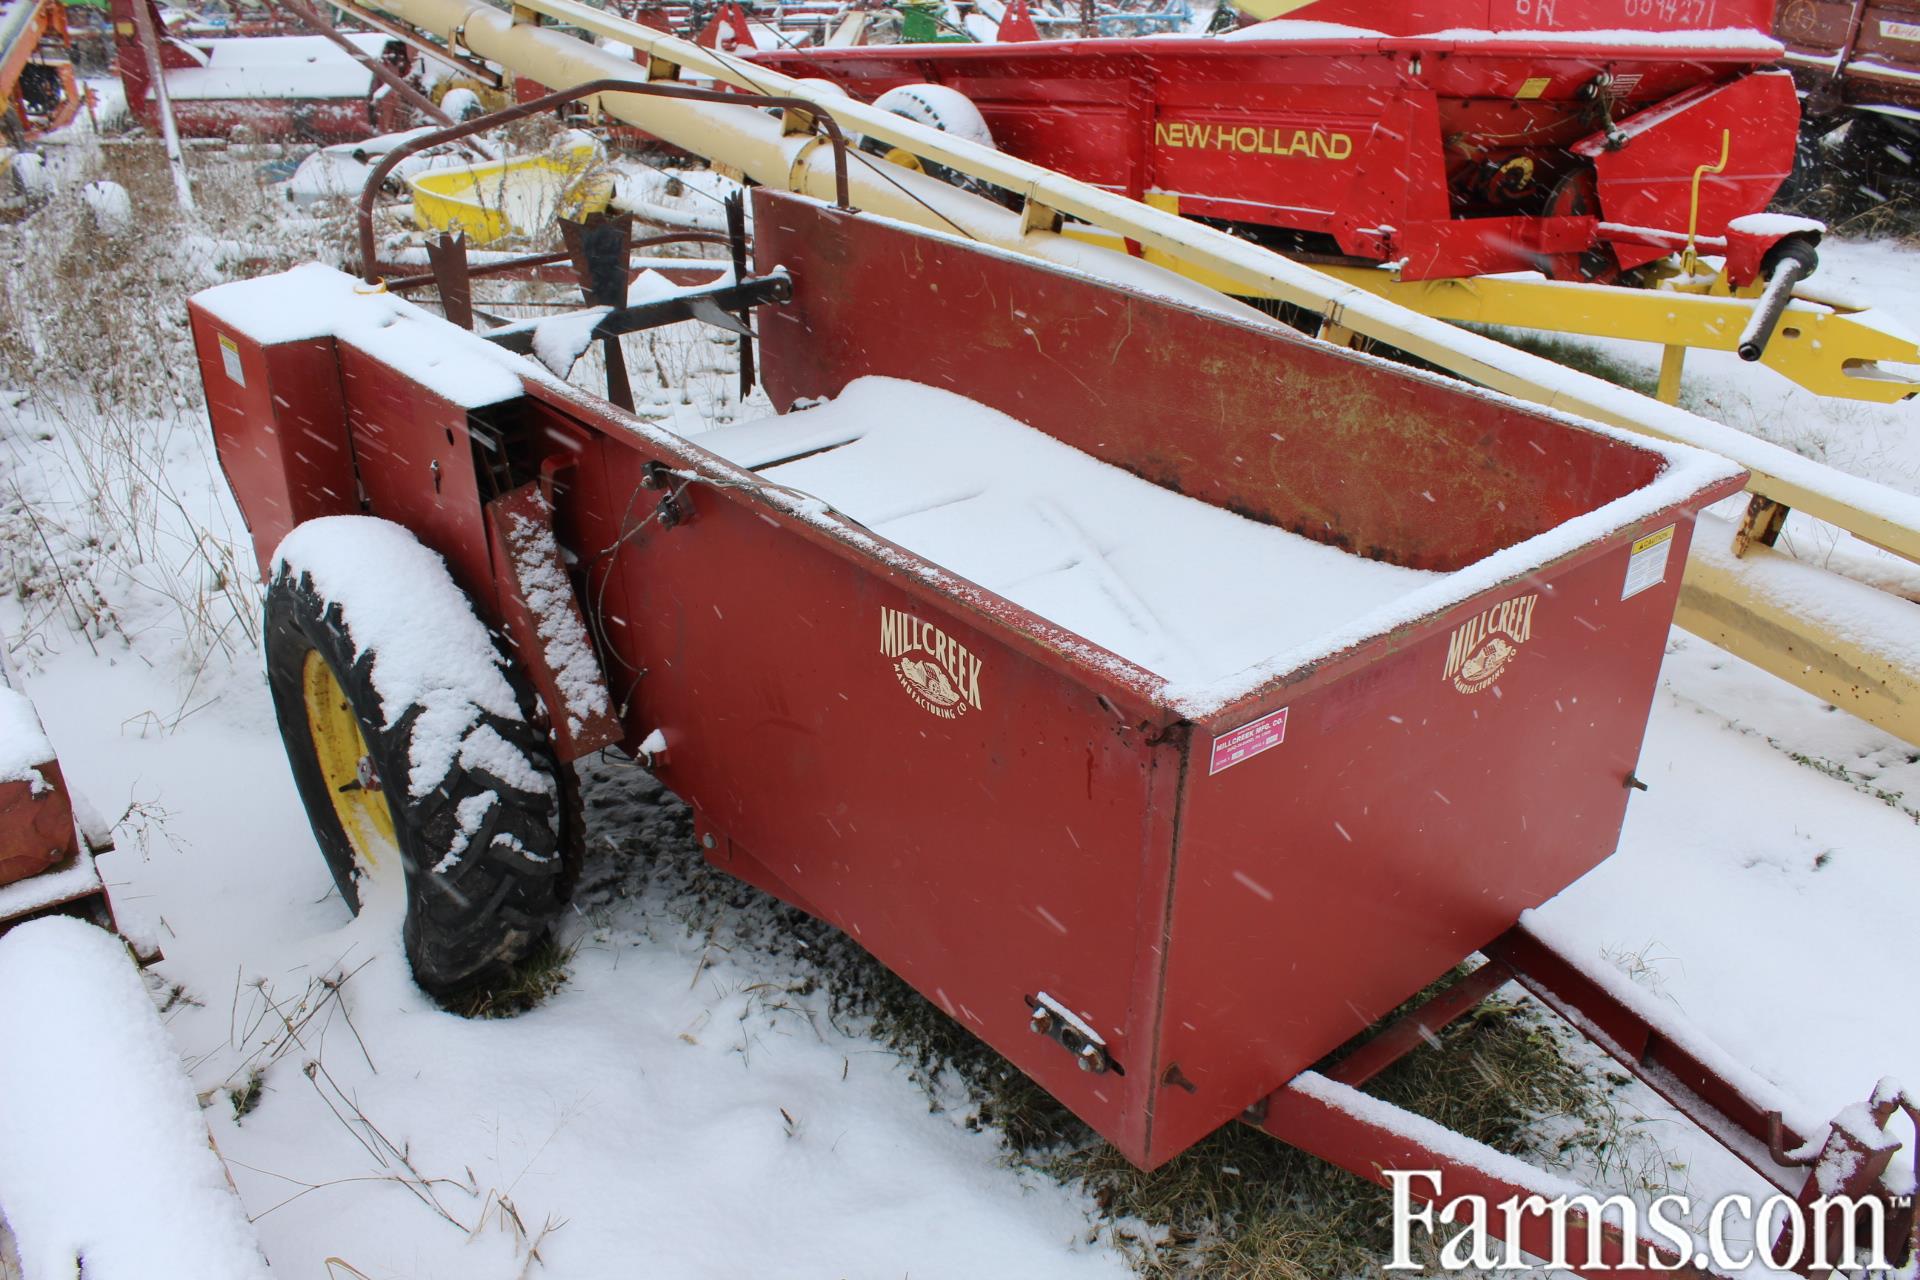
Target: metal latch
1054, 1020
657, 476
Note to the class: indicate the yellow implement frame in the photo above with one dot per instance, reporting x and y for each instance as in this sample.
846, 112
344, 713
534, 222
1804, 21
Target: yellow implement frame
1754, 606
1817, 344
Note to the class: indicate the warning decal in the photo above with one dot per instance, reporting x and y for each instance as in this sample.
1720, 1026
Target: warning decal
1249, 740
230, 360
1647, 563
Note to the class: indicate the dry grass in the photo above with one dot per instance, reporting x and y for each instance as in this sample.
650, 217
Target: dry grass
101, 434
1240, 1205
533, 982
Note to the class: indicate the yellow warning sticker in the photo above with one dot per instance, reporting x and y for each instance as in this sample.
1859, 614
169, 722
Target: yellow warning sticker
230, 360
1534, 87
1647, 562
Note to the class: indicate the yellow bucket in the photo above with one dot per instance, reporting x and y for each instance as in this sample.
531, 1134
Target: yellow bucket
518, 196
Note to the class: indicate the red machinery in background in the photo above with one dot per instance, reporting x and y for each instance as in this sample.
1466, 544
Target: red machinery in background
47, 839
1857, 63
304, 82
38, 89
1583, 138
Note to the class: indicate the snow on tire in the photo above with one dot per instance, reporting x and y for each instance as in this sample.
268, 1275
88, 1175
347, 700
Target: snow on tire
412, 737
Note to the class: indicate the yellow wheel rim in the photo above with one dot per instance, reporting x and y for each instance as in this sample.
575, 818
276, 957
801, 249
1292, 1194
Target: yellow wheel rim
905, 159
346, 766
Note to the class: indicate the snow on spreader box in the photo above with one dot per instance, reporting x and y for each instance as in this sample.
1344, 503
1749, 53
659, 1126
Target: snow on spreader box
950, 665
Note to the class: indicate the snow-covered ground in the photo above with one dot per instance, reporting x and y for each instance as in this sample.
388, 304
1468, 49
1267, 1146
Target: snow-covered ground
686, 1105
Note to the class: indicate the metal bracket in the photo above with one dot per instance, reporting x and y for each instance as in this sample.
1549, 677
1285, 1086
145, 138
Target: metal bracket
1035, 216
1762, 524
655, 476
1048, 1017
729, 301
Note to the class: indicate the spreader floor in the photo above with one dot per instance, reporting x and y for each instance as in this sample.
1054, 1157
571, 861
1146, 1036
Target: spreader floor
1187, 590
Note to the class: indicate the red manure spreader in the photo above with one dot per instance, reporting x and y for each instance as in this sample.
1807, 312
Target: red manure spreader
1166, 729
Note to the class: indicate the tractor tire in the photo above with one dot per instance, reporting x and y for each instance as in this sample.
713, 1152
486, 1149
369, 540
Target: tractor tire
490, 846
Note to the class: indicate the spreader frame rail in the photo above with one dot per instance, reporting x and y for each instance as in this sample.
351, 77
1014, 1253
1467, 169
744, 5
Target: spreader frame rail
1323, 1112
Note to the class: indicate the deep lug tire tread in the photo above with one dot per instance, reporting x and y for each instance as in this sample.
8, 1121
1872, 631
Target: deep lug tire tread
467, 926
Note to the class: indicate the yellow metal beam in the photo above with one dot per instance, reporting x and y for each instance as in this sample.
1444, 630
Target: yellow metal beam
1817, 344
1264, 9
1821, 348
1840, 640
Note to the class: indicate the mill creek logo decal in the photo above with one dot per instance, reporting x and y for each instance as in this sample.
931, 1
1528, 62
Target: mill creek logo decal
937, 671
1485, 645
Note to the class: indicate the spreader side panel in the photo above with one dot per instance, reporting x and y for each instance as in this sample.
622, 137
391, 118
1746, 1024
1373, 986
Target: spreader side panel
1542, 15
279, 428
872, 749
1420, 797
1335, 446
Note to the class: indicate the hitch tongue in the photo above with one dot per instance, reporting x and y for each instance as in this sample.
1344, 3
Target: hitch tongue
1794, 262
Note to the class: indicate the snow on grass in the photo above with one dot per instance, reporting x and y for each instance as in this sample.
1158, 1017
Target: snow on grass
103, 1156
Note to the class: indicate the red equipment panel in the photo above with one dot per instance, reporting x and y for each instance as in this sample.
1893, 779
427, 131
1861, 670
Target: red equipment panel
1642, 182
36, 825
1453, 153
1413, 809
1218, 889
1014, 848
415, 459
280, 427
1416, 16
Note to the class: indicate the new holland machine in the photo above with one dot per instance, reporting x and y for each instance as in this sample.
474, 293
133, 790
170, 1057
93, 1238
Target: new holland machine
1554, 165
